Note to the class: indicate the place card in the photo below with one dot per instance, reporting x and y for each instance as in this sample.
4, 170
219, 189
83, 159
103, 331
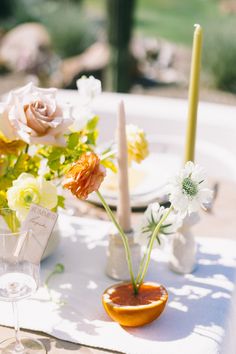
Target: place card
36, 230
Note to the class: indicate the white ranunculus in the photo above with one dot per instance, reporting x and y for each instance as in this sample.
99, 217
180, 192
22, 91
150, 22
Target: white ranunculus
187, 190
32, 114
27, 189
89, 87
152, 216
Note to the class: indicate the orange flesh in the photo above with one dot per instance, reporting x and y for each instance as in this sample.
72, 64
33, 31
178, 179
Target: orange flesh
124, 295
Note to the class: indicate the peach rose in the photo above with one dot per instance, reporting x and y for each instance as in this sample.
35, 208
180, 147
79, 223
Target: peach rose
32, 114
85, 176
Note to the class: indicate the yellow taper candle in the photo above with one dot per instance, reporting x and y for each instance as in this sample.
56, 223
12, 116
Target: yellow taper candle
123, 205
193, 94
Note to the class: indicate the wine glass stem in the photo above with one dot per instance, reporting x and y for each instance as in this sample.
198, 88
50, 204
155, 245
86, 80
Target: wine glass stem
18, 346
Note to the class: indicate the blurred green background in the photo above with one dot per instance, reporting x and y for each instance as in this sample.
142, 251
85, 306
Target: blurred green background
75, 25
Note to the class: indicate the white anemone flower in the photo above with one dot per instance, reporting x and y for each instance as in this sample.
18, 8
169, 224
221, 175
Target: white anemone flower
152, 216
187, 190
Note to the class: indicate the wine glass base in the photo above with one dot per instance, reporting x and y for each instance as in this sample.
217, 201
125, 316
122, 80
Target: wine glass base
31, 346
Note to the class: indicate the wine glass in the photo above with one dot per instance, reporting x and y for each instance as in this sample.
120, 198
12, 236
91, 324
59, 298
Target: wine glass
19, 278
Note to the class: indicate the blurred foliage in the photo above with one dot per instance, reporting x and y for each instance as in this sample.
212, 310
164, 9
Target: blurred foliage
70, 30
73, 31
219, 56
174, 20
171, 19
7, 8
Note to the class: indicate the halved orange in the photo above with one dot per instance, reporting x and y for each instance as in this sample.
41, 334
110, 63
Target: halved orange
131, 310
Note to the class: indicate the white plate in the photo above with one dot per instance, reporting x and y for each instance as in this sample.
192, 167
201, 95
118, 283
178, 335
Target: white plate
147, 180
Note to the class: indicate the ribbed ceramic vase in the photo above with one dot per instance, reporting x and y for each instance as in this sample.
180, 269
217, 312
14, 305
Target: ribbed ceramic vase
183, 247
116, 267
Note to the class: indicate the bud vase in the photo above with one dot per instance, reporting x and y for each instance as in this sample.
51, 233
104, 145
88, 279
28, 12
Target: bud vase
183, 247
116, 267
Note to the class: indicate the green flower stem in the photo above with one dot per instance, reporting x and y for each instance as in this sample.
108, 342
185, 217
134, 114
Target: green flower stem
124, 239
148, 256
108, 154
26, 148
11, 220
142, 264
59, 268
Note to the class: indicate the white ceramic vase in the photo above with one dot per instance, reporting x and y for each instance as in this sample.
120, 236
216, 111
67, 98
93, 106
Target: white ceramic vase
183, 247
116, 267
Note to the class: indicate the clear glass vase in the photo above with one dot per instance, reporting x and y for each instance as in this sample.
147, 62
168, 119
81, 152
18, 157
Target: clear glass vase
18, 279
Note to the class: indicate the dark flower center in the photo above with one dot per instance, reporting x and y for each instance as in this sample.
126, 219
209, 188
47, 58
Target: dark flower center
189, 187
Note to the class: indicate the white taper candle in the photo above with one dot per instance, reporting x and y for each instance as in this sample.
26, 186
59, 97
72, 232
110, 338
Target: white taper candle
123, 205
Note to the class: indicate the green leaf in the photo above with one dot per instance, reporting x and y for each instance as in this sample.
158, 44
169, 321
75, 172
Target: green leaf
109, 164
54, 158
54, 164
20, 165
92, 137
92, 123
61, 201
5, 182
73, 140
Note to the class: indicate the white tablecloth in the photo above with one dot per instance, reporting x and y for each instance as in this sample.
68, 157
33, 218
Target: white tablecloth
198, 318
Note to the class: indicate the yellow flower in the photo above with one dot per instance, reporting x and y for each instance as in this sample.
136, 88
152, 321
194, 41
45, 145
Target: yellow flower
27, 189
11, 147
85, 176
137, 143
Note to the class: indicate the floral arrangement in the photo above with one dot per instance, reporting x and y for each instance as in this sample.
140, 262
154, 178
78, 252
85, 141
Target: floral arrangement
39, 139
187, 192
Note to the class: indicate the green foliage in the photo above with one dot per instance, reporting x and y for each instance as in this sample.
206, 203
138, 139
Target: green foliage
91, 132
60, 203
219, 56
17, 165
54, 157
107, 158
5, 182
73, 140
92, 124
70, 30
109, 164
59, 159
58, 269
3, 200
32, 165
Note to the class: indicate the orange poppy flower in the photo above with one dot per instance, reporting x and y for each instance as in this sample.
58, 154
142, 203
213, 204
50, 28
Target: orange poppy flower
85, 176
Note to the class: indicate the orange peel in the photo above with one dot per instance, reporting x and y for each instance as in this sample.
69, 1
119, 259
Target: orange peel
131, 310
